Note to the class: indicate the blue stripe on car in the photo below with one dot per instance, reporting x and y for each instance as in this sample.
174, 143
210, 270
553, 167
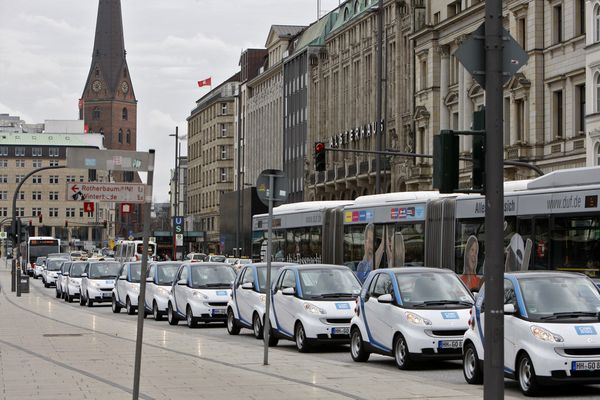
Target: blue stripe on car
519, 295
372, 341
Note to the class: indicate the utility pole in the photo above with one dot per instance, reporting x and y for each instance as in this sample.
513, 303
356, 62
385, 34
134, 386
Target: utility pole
176, 194
494, 205
378, 79
238, 230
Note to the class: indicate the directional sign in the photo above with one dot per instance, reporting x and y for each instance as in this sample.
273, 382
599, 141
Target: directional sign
126, 208
109, 160
179, 239
178, 224
280, 186
471, 54
106, 192
88, 206
3, 235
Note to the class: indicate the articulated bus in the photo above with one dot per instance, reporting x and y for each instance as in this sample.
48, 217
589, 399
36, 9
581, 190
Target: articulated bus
557, 216
132, 250
37, 246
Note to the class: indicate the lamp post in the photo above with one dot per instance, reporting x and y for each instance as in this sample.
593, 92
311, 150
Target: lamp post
176, 194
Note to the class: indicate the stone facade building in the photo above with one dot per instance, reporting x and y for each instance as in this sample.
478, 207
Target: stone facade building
592, 101
210, 158
544, 103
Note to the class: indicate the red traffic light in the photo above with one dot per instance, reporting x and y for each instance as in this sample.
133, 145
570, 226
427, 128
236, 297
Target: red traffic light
319, 147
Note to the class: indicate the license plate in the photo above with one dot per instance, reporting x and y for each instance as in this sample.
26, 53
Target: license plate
109, 282
585, 365
217, 312
450, 344
106, 294
340, 331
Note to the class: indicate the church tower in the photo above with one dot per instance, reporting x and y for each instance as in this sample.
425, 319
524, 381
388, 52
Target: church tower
108, 104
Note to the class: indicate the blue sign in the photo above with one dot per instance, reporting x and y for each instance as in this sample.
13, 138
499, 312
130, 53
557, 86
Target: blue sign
342, 306
449, 315
221, 293
585, 330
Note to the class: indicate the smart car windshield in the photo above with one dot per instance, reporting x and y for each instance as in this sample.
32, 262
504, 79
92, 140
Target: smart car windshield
212, 276
77, 269
560, 298
54, 264
135, 270
262, 276
104, 270
166, 273
329, 284
432, 290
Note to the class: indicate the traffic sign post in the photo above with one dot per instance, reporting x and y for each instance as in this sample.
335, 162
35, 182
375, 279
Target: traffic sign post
107, 192
271, 187
178, 230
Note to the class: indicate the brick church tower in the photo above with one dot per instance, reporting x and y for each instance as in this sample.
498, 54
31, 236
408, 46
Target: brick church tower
108, 104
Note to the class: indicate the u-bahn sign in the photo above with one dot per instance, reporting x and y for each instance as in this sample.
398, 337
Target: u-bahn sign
106, 192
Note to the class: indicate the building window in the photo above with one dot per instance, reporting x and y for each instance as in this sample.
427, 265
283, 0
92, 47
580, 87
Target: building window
223, 152
223, 175
522, 32
3, 195
80, 178
53, 151
36, 196
36, 152
557, 24
223, 130
124, 114
81, 213
37, 179
4, 163
423, 79
20, 152
3, 211
3, 150
597, 153
37, 163
35, 211
21, 195
120, 137
70, 212
53, 212
20, 163
96, 113
580, 113
223, 108
53, 195
128, 136
597, 23
53, 163
436, 18
580, 17
18, 178
20, 211
520, 108
557, 107
53, 178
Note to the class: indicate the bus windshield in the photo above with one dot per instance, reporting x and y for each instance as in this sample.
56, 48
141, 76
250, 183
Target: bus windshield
41, 248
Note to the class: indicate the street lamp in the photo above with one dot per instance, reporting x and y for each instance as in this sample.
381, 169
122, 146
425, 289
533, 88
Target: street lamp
176, 180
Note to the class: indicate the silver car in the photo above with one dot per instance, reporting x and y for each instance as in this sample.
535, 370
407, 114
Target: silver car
98, 281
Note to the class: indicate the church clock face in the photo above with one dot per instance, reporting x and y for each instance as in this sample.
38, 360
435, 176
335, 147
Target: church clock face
96, 86
124, 87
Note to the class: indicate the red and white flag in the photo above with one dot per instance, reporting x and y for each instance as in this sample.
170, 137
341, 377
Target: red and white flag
206, 82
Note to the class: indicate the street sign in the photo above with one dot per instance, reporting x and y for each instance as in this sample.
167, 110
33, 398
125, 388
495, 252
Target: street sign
3, 235
125, 208
109, 160
130, 238
471, 54
280, 185
106, 192
179, 239
88, 206
178, 224
111, 244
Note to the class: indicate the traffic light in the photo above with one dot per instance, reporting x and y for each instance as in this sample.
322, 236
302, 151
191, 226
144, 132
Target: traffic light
445, 161
478, 170
105, 224
66, 224
40, 218
320, 161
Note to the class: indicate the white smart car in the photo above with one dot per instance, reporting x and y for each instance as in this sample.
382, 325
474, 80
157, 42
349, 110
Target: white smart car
159, 282
246, 308
200, 293
410, 313
50, 272
127, 288
61, 281
313, 304
73, 280
551, 331
98, 281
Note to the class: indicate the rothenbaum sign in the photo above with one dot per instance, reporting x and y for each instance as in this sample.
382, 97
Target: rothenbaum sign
107, 192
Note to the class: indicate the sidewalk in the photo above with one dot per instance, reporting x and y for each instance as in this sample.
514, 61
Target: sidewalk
52, 350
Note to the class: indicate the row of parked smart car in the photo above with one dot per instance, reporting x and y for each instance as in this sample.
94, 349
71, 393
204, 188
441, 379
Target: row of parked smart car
411, 314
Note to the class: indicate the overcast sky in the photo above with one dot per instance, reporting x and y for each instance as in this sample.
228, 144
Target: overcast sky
46, 51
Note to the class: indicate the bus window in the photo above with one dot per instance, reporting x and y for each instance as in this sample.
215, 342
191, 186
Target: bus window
470, 235
576, 244
541, 244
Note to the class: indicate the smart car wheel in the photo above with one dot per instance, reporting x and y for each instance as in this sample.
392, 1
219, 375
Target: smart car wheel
472, 365
401, 354
155, 312
527, 378
57, 292
81, 299
66, 296
357, 346
232, 326
171, 317
189, 317
90, 302
130, 309
257, 326
116, 308
301, 340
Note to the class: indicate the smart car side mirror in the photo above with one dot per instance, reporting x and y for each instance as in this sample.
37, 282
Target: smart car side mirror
84, 275
182, 282
65, 274
509, 309
385, 298
289, 291
248, 285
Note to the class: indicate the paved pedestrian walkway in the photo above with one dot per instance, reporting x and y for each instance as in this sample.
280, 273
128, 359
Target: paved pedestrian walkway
53, 350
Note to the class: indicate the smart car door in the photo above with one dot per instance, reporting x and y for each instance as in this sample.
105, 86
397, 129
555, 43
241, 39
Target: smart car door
121, 284
378, 314
510, 341
150, 289
283, 304
179, 291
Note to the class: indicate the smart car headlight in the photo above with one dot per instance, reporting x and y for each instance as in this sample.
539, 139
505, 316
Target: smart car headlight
545, 335
417, 319
201, 295
311, 308
262, 298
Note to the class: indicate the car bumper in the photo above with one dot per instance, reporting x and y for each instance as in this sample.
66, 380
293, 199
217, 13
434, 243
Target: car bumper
317, 331
100, 296
422, 345
206, 313
50, 280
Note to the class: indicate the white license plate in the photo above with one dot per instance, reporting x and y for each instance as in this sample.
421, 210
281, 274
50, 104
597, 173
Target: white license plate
217, 312
106, 295
340, 331
585, 365
450, 344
